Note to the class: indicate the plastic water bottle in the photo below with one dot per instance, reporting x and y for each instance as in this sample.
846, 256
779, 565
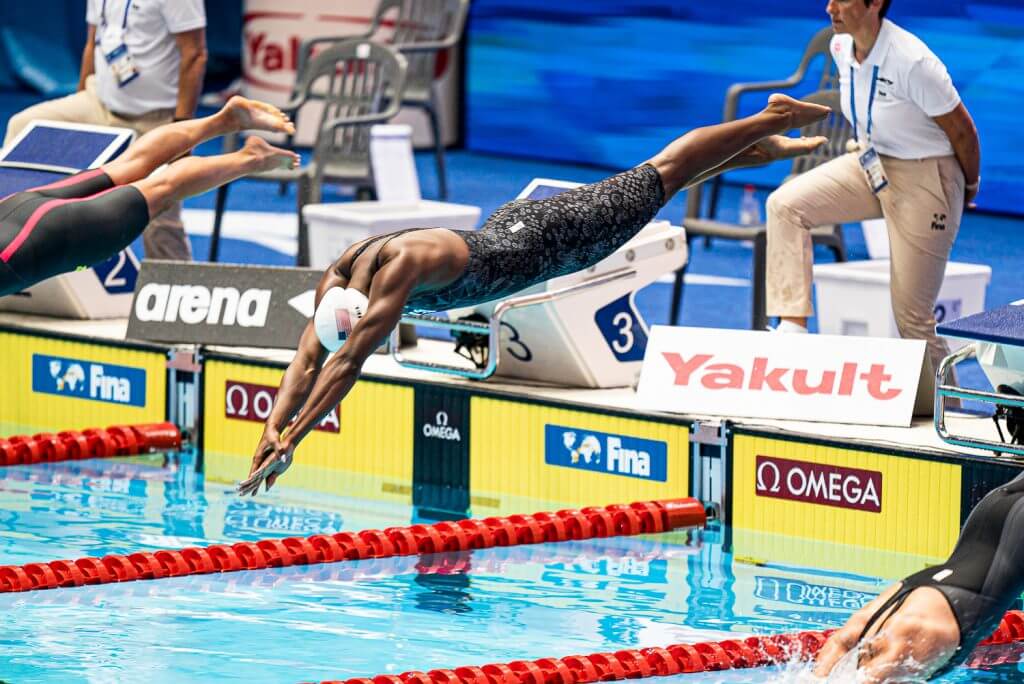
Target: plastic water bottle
750, 209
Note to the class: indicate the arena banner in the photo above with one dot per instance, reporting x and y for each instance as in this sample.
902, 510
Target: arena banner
744, 373
201, 303
552, 455
363, 448
272, 34
65, 383
807, 491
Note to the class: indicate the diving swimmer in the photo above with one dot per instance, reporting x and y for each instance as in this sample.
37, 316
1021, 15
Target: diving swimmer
363, 295
930, 622
86, 218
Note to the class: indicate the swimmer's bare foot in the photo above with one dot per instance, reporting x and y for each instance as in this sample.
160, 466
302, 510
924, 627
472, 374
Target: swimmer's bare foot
797, 112
266, 157
259, 116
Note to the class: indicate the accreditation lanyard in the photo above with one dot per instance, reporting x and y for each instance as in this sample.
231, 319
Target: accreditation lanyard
853, 101
868, 157
124, 22
112, 44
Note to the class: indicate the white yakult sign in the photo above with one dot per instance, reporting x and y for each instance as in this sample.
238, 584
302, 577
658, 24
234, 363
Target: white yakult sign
868, 381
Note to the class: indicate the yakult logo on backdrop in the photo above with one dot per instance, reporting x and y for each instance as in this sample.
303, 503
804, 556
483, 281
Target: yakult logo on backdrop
271, 42
246, 401
763, 375
781, 478
271, 59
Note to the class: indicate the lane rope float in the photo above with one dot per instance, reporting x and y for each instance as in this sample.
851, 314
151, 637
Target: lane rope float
73, 445
676, 659
645, 517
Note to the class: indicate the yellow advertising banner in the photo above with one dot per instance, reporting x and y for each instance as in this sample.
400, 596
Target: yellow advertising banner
805, 491
54, 384
527, 456
363, 448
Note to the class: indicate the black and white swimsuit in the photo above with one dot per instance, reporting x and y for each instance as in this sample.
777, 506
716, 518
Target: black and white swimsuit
526, 242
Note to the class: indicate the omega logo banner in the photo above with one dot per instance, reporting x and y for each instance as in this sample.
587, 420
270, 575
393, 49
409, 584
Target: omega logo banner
199, 303
440, 458
247, 401
867, 381
781, 478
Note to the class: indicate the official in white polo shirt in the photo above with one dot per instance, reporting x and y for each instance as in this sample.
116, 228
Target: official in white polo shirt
915, 162
142, 67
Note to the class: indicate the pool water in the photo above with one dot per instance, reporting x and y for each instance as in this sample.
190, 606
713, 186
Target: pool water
366, 617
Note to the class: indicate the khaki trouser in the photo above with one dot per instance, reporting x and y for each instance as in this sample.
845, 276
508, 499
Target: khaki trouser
164, 238
922, 207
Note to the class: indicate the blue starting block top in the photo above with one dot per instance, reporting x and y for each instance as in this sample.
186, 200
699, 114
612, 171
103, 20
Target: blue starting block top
47, 151
1002, 326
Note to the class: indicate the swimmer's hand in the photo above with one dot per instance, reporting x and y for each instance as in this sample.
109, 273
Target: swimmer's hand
914, 642
776, 147
273, 457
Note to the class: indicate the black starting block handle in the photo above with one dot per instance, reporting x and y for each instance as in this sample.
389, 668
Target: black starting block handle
943, 390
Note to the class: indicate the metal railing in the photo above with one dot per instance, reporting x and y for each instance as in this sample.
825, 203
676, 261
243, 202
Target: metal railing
943, 390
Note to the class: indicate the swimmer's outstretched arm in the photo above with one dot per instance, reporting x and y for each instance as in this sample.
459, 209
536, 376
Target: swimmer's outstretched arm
298, 379
764, 151
389, 291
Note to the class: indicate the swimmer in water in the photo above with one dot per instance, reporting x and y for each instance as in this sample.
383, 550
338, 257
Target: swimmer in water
86, 218
930, 622
364, 294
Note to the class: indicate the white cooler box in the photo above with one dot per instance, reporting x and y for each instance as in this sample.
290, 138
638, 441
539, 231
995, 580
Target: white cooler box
333, 227
853, 297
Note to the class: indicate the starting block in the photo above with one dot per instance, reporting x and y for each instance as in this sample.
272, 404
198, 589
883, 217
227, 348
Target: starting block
47, 151
577, 330
996, 339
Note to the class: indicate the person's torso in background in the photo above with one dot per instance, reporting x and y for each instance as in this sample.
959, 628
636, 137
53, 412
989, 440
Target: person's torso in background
913, 86
149, 37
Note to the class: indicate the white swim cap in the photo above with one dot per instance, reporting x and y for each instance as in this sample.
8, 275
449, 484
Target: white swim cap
339, 311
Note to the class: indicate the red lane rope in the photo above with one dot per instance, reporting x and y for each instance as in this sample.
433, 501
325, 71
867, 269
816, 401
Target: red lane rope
645, 517
650, 662
71, 445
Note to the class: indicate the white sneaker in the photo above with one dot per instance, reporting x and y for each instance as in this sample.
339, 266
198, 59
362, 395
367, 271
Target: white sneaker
789, 327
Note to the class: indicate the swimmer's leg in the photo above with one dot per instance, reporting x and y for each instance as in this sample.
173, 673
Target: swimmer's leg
166, 143
195, 175
692, 156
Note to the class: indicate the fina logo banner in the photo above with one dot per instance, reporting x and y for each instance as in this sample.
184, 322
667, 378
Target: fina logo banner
817, 483
867, 381
79, 379
601, 452
198, 303
246, 401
